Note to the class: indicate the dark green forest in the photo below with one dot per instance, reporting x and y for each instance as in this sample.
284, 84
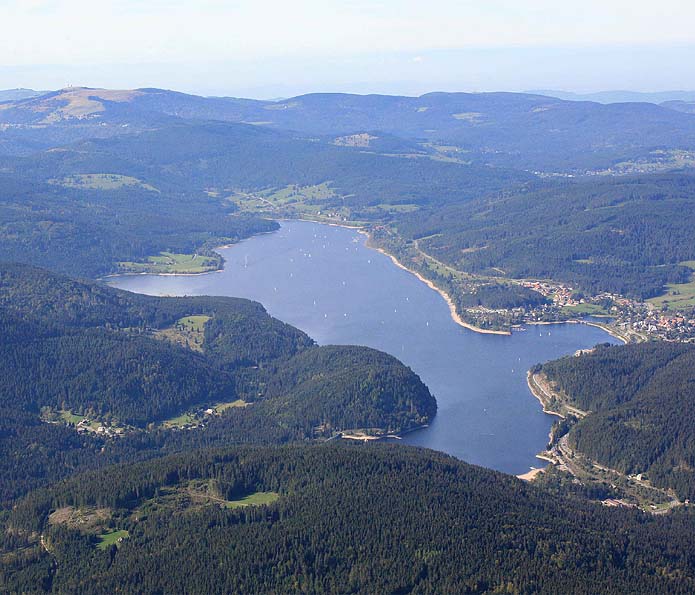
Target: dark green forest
349, 519
641, 399
625, 235
96, 352
142, 451
86, 232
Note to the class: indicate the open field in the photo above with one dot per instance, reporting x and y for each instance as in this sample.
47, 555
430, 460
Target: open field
101, 182
220, 407
276, 198
106, 540
180, 421
678, 296
84, 423
171, 263
255, 499
199, 493
188, 332
67, 417
304, 202
86, 519
585, 309
195, 417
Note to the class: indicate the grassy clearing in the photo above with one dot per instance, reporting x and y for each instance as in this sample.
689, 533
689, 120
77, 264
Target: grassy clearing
171, 263
86, 519
657, 161
196, 417
255, 499
181, 421
116, 538
678, 296
102, 182
84, 423
188, 332
302, 202
585, 310
197, 494
195, 323
68, 417
279, 198
220, 407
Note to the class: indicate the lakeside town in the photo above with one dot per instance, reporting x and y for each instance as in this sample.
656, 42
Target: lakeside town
632, 320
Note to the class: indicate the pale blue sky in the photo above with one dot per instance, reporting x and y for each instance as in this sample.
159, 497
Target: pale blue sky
277, 48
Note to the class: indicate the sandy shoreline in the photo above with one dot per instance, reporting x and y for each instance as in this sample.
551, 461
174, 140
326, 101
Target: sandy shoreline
452, 308
531, 474
114, 275
360, 229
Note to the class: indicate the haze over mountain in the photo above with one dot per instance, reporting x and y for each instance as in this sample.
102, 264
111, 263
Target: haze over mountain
179, 438
15, 94
620, 96
504, 129
682, 106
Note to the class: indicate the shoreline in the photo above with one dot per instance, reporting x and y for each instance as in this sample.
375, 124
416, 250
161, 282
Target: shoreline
114, 275
541, 396
361, 229
452, 307
531, 474
606, 329
215, 249
361, 436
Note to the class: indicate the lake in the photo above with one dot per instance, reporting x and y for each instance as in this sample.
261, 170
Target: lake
325, 281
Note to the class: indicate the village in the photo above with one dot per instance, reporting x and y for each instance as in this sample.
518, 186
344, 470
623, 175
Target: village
633, 319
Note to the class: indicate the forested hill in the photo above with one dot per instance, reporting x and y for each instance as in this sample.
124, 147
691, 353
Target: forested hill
625, 235
193, 156
128, 370
87, 227
333, 519
85, 208
642, 400
527, 131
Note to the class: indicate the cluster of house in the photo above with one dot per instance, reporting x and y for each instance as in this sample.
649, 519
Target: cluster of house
617, 503
87, 425
674, 326
562, 295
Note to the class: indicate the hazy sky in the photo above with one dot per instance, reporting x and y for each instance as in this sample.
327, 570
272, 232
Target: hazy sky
269, 48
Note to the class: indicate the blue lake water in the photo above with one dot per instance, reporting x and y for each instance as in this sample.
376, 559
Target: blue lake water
325, 281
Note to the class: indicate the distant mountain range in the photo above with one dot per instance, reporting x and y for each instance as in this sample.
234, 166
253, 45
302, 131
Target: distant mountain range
658, 97
522, 131
682, 106
15, 94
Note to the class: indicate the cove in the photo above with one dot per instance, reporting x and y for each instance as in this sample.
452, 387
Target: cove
327, 282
